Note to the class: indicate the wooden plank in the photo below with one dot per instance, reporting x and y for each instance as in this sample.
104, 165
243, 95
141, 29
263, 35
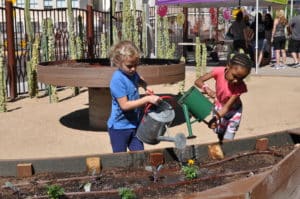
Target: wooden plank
83, 75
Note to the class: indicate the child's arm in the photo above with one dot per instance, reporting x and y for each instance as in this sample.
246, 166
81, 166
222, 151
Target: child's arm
228, 105
126, 104
204, 87
221, 113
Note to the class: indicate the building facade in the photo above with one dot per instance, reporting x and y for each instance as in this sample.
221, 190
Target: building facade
44, 4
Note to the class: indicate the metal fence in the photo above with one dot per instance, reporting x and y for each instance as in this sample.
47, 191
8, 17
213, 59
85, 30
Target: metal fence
100, 27
59, 19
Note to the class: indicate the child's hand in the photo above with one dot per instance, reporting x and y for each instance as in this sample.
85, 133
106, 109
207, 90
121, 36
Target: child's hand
149, 91
210, 93
213, 123
153, 99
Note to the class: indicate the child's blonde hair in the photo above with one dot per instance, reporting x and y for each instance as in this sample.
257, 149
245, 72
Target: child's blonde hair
122, 51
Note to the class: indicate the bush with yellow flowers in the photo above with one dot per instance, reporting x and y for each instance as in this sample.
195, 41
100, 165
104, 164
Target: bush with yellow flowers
190, 170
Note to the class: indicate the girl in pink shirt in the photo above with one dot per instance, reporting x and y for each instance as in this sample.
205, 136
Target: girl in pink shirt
229, 85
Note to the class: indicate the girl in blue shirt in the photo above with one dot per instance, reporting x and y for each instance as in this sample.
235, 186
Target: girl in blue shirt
126, 101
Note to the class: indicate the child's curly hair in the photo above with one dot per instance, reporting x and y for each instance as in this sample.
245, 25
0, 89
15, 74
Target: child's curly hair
122, 51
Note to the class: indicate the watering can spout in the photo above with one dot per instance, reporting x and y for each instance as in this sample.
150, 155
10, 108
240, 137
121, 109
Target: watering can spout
179, 140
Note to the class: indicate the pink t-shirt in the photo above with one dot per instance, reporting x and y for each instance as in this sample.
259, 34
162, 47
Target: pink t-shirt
224, 90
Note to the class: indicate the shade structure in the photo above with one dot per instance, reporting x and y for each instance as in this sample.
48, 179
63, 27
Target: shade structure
221, 3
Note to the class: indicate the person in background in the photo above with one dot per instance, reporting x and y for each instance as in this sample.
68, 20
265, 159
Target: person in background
278, 39
238, 28
294, 43
249, 36
268, 21
229, 86
261, 38
126, 101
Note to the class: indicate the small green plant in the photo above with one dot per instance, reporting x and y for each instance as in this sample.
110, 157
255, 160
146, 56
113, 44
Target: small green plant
55, 191
126, 193
190, 170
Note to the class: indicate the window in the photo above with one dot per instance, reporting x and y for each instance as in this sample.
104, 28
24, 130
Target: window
61, 4
2, 27
20, 3
75, 4
33, 3
19, 28
48, 4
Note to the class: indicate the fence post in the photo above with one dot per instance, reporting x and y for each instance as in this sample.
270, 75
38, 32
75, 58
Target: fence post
185, 31
90, 31
11, 63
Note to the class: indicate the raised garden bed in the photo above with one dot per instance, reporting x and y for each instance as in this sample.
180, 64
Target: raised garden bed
241, 162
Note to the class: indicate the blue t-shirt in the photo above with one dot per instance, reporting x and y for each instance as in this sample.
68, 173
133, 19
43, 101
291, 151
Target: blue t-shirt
123, 85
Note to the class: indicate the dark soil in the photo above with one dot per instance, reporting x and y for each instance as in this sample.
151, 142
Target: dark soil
170, 179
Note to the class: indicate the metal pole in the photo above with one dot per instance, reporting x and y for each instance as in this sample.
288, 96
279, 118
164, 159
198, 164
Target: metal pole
292, 7
256, 39
111, 22
155, 30
11, 63
90, 31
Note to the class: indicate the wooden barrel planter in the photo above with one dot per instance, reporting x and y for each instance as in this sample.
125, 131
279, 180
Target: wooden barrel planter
96, 74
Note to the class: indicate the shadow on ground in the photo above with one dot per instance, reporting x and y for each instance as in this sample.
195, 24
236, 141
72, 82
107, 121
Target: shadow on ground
80, 119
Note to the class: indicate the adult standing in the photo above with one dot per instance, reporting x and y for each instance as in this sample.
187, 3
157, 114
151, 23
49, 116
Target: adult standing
260, 35
268, 21
294, 43
278, 39
238, 30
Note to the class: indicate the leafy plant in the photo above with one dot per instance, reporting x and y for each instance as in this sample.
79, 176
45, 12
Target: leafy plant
190, 170
126, 193
55, 191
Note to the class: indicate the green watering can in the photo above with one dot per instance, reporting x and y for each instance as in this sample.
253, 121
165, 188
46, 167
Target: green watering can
194, 103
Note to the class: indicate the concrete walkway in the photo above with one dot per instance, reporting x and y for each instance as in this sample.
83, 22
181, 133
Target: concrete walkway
34, 128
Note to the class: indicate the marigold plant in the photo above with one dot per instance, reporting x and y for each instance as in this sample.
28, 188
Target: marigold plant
190, 170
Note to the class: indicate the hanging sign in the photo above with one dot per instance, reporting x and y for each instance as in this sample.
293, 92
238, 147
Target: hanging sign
163, 2
278, 1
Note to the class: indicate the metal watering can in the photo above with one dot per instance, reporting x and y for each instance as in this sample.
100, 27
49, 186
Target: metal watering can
195, 103
155, 122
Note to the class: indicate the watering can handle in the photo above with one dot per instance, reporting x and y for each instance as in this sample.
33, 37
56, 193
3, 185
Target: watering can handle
149, 104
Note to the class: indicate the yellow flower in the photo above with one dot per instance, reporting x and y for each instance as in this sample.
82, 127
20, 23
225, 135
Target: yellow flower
191, 162
180, 19
23, 43
13, 1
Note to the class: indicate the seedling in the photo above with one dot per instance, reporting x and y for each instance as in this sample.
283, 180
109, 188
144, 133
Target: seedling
55, 191
126, 193
190, 170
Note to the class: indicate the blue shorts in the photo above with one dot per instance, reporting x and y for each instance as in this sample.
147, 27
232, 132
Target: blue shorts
121, 139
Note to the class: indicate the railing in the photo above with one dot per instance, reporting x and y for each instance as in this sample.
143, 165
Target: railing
100, 25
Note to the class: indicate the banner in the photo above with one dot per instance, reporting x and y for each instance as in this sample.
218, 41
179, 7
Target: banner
165, 2
278, 1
